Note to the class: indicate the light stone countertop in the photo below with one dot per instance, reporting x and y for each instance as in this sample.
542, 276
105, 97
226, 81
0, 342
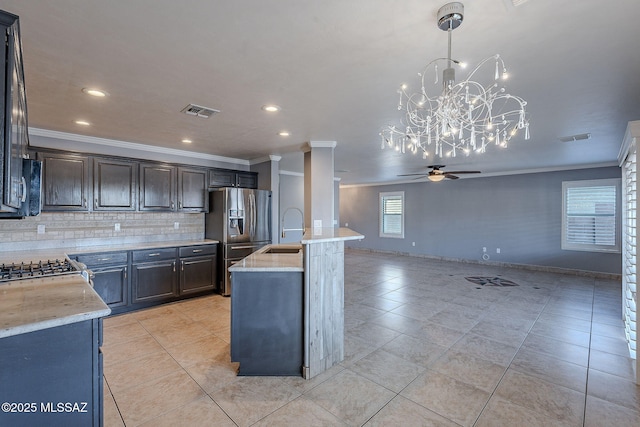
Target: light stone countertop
29, 305
264, 261
314, 235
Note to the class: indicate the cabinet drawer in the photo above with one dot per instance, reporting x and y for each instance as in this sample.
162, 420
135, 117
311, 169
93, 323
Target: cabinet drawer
104, 258
150, 255
198, 250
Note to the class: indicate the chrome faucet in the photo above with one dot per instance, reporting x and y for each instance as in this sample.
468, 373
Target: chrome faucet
292, 229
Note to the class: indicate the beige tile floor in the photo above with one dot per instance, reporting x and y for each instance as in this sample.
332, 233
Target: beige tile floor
423, 347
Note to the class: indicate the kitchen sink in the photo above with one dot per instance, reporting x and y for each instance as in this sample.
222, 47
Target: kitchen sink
283, 250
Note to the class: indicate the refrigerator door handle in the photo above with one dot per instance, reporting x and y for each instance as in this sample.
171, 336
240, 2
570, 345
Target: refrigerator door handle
254, 216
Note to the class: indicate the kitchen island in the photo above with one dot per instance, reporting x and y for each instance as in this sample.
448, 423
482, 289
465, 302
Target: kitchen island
267, 310
50, 359
321, 262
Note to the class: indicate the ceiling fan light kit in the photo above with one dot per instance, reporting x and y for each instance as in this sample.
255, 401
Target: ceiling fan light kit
463, 117
437, 175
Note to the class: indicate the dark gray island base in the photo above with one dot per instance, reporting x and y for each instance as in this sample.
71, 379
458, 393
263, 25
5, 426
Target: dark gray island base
52, 377
266, 322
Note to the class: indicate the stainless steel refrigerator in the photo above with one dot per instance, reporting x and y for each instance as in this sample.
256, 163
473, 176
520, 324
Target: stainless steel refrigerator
240, 218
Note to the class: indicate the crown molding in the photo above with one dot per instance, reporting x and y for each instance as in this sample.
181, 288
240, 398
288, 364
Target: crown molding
487, 175
132, 146
269, 158
320, 144
290, 173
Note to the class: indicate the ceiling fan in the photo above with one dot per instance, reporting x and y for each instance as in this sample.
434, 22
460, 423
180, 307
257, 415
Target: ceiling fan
437, 175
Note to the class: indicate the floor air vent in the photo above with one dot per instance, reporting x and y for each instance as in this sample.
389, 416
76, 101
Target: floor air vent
199, 111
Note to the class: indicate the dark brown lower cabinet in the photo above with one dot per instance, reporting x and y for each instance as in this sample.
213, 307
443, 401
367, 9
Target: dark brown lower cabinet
130, 280
197, 268
152, 281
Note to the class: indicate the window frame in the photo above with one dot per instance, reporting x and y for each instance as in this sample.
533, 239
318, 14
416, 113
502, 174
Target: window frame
588, 247
382, 196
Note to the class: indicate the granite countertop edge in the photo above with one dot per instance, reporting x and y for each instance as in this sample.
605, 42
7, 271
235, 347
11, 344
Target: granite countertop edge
324, 235
52, 323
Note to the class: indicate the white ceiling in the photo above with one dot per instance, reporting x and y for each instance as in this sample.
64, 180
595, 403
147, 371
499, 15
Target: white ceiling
333, 66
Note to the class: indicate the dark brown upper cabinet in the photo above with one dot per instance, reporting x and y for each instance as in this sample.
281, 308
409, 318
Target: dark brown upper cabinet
157, 187
114, 185
66, 182
231, 178
193, 194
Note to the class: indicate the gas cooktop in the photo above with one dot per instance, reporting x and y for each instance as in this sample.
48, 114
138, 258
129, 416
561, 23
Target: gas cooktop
16, 271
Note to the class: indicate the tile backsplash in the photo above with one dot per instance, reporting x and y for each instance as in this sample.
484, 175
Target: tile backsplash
77, 229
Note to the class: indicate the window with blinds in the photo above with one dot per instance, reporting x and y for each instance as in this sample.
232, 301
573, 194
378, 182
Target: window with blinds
590, 215
629, 279
392, 214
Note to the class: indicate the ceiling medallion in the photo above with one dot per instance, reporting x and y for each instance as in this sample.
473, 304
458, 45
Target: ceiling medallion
464, 116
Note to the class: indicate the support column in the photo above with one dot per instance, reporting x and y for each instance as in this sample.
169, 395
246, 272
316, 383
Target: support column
319, 185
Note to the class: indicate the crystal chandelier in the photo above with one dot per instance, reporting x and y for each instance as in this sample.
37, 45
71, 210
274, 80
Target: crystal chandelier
465, 116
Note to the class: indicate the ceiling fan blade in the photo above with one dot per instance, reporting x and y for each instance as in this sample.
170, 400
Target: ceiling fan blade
448, 175
414, 174
459, 172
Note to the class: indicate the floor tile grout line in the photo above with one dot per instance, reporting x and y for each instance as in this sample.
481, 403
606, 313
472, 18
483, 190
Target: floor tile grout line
586, 386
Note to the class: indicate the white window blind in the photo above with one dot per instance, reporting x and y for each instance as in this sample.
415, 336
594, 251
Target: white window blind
590, 212
629, 278
392, 214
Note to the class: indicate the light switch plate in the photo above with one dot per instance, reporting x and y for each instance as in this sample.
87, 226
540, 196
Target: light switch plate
116, 227
176, 225
41, 228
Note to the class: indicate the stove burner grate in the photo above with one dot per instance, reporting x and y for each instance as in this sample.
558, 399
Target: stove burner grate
23, 270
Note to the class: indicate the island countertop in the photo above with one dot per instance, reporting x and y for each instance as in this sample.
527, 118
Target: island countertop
264, 260
327, 234
29, 305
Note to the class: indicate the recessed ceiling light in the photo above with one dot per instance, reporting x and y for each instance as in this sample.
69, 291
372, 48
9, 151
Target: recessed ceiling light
186, 141
284, 133
83, 123
94, 92
271, 108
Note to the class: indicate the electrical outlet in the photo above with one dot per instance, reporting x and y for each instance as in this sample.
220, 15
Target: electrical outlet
41, 228
116, 227
176, 225
497, 250
484, 249
413, 243
317, 223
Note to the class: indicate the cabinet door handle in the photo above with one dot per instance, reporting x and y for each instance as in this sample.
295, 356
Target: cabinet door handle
195, 251
179, 205
95, 203
125, 273
182, 265
155, 254
84, 202
174, 266
104, 259
172, 205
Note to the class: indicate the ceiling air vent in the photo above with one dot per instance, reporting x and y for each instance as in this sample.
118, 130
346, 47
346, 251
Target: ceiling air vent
577, 137
199, 111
